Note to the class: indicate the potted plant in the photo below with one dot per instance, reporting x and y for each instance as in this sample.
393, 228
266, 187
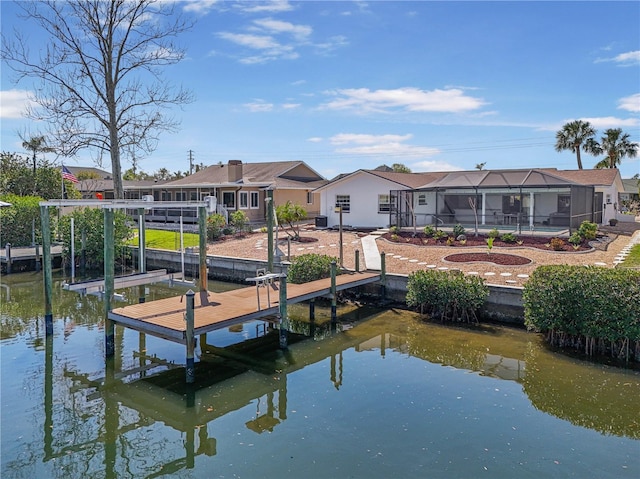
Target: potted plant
613, 222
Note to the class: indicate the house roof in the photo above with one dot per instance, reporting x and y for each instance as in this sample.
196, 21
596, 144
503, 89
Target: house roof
599, 177
107, 185
631, 185
277, 174
407, 180
89, 169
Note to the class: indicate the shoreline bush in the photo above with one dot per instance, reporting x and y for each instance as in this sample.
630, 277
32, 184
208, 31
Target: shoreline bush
310, 267
589, 309
448, 296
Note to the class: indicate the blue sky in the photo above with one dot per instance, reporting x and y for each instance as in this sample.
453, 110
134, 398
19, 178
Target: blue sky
348, 85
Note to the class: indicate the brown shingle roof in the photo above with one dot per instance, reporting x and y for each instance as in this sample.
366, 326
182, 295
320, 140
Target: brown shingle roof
605, 176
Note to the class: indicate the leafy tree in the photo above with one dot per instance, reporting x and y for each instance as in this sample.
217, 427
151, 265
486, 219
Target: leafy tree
616, 145
291, 214
400, 168
18, 220
239, 221
101, 84
91, 221
88, 175
17, 178
573, 136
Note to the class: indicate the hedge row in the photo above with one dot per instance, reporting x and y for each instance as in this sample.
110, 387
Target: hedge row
448, 296
590, 308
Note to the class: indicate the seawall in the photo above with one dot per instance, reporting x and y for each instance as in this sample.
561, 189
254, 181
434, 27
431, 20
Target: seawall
504, 303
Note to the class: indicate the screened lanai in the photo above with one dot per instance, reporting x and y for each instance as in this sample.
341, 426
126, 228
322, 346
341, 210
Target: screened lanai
506, 199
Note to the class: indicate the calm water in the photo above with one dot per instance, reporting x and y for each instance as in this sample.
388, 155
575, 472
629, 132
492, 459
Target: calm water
389, 396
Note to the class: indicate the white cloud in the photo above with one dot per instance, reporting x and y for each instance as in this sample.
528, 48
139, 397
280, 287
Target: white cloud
259, 106
290, 106
380, 145
315, 139
612, 122
268, 46
423, 166
14, 103
269, 6
199, 6
623, 59
300, 32
630, 103
407, 99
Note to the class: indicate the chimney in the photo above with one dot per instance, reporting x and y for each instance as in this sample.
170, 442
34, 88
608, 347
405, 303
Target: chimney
235, 171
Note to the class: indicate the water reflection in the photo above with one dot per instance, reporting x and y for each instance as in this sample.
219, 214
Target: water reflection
136, 417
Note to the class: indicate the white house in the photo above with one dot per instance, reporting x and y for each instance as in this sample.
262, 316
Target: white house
364, 196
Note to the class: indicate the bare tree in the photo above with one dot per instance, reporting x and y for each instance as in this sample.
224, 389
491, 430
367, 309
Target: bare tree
99, 82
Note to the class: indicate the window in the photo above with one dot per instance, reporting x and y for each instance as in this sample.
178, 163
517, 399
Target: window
309, 197
345, 202
384, 204
255, 200
181, 196
422, 199
243, 199
166, 196
229, 199
511, 204
564, 203
193, 196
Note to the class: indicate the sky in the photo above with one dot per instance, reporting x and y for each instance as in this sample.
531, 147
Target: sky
347, 85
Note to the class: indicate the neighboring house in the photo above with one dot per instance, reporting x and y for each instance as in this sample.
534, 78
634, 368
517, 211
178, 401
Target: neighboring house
364, 196
133, 189
630, 191
239, 186
96, 172
525, 199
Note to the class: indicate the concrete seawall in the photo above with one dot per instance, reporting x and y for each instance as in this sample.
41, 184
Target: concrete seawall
504, 303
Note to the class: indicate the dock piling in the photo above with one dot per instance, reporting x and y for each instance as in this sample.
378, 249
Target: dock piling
284, 320
383, 276
7, 253
334, 315
109, 272
189, 317
357, 261
45, 224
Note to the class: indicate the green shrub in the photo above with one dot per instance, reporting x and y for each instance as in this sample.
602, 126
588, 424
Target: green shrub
429, 231
215, 225
494, 233
596, 310
239, 220
458, 230
394, 237
310, 267
394, 230
508, 238
438, 235
575, 239
448, 296
557, 244
588, 230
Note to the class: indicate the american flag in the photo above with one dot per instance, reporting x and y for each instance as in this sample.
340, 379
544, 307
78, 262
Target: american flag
67, 175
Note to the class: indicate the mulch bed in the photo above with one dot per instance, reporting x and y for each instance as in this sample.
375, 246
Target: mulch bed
496, 258
538, 242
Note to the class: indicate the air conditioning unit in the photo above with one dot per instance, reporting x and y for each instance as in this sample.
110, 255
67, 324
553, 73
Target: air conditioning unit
147, 197
211, 203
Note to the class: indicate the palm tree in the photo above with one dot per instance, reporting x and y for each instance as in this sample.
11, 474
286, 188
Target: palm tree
573, 135
615, 144
37, 144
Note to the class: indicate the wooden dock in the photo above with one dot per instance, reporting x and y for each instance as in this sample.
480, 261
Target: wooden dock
165, 318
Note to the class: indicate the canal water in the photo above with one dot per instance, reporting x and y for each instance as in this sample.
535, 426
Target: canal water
385, 395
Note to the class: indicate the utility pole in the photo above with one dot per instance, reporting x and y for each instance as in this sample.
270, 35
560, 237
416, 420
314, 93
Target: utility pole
191, 162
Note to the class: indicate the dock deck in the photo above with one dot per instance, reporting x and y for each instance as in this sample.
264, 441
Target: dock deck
165, 318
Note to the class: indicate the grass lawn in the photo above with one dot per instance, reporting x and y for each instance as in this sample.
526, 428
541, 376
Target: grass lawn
633, 260
161, 239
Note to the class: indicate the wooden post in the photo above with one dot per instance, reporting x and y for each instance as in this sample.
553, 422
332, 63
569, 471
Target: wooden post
83, 252
312, 310
7, 254
109, 271
269, 206
72, 247
189, 338
142, 253
334, 315
202, 222
357, 261
284, 320
383, 275
38, 263
48, 276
